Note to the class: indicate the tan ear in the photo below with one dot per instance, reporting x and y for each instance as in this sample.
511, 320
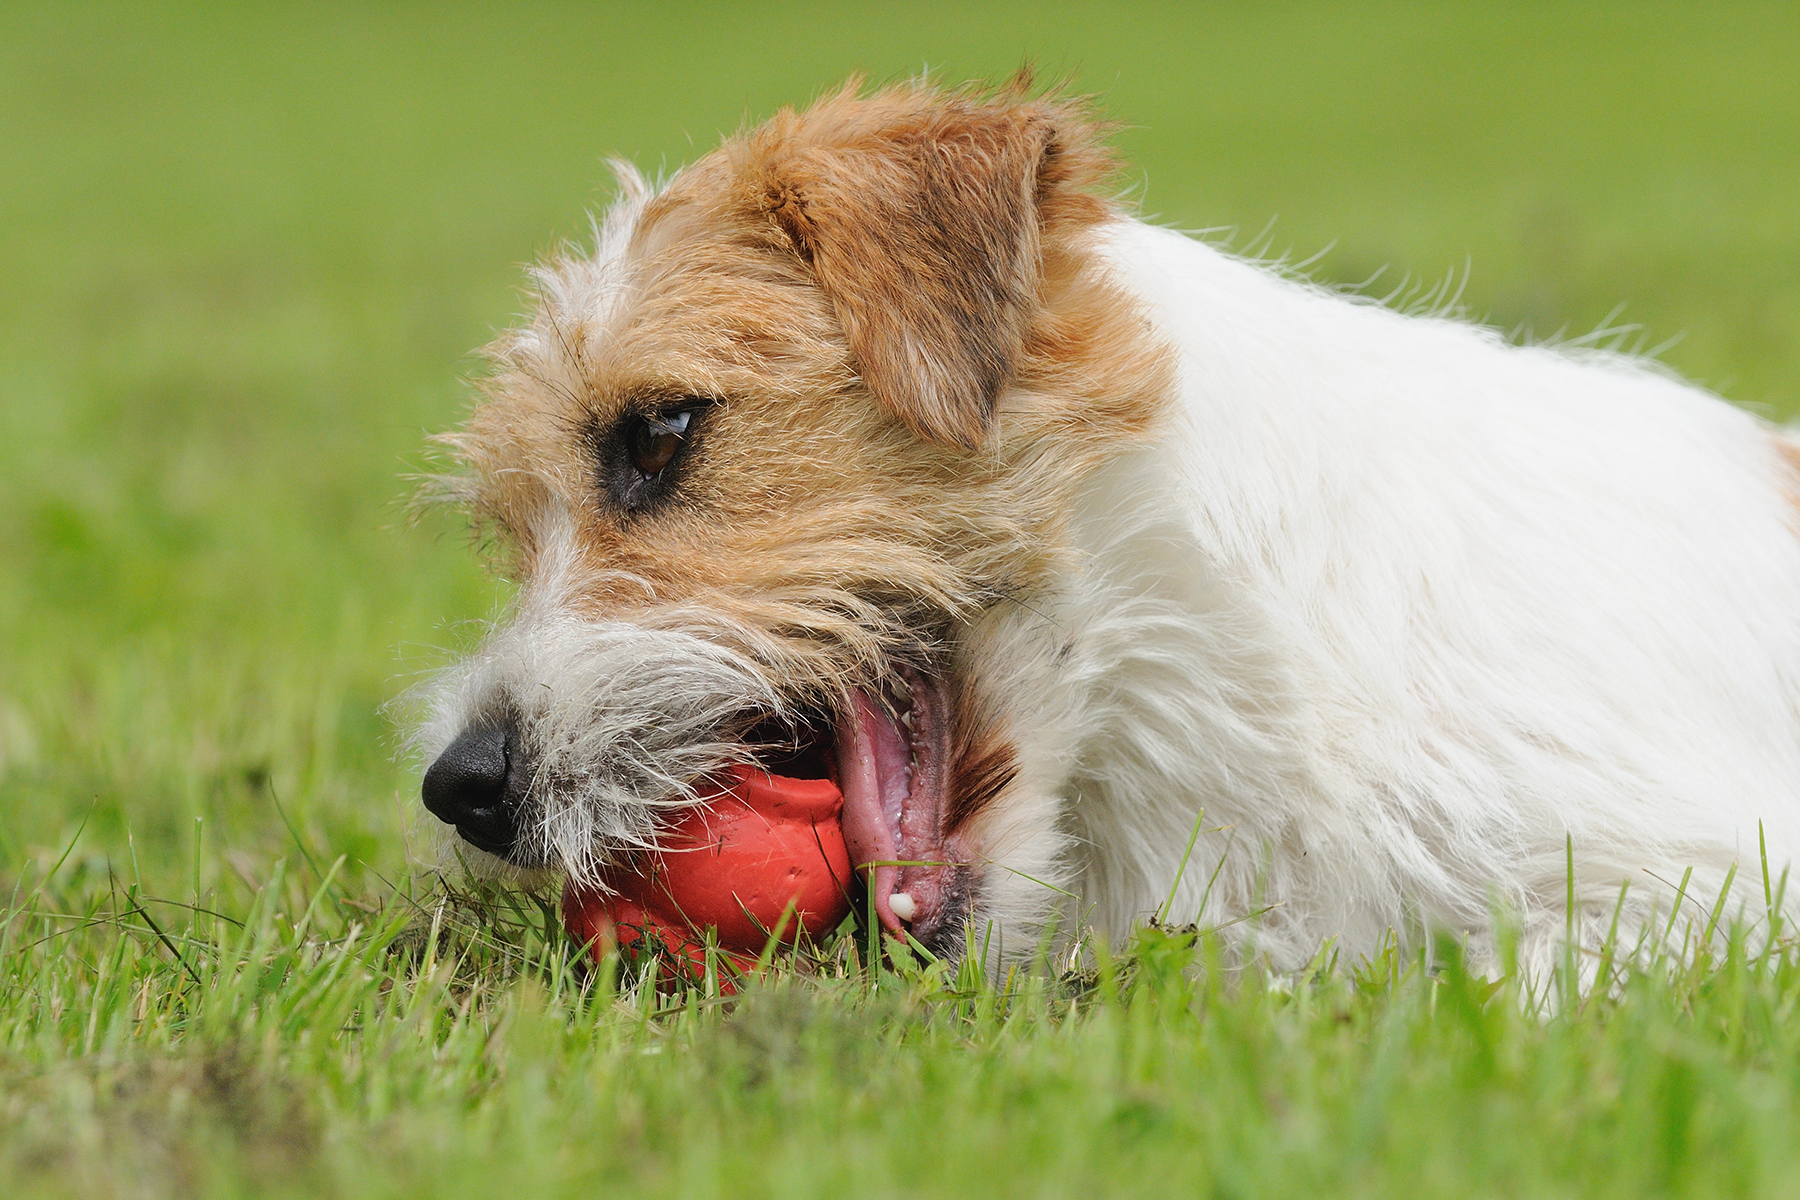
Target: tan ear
924, 234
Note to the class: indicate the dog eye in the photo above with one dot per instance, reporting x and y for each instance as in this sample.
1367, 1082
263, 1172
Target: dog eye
654, 441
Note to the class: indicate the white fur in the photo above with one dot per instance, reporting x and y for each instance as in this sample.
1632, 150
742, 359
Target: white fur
1402, 608
617, 719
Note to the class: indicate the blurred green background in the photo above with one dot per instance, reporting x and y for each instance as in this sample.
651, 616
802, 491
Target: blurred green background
245, 251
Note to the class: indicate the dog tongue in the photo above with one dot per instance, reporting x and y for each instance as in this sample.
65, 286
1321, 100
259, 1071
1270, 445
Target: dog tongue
875, 775
893, 778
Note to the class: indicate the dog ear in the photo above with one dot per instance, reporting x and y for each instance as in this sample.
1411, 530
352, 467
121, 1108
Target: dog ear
924, 235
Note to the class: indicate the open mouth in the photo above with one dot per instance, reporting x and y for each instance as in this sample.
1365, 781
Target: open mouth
890, 757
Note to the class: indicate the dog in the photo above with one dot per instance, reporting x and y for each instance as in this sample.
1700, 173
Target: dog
1113, 577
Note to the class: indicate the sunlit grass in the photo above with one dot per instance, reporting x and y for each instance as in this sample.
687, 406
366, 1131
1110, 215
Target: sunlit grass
450, 1043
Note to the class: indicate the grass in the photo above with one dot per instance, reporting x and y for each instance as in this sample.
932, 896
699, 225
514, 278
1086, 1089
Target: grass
315, 1049
243, 254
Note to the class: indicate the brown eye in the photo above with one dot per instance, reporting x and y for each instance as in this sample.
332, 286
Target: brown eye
654, 441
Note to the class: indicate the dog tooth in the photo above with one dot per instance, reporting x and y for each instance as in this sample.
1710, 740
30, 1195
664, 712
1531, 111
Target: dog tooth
903, 906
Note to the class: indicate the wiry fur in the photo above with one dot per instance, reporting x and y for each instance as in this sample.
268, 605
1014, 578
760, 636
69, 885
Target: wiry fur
617, 719
1403, 610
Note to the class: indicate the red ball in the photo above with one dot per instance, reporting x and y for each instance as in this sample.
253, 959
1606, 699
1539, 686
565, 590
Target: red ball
757, 844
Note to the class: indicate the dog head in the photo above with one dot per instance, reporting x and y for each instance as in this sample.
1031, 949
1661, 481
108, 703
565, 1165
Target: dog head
763, 460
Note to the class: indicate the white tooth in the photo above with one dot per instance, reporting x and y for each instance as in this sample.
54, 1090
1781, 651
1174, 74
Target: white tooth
903, 906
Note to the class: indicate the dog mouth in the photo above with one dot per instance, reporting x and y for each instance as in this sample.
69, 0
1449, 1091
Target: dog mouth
538, 795
889, 755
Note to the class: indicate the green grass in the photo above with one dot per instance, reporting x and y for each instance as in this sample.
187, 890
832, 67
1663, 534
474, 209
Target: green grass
320, 1050
243, 256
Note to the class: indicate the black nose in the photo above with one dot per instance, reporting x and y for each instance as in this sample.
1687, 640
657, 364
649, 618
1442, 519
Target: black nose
469, 786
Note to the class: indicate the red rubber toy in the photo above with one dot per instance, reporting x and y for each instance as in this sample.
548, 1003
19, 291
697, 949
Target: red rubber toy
755, 845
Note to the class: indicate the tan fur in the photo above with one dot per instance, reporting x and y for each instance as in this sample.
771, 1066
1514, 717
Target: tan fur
1788, 451
915, 360
922, 224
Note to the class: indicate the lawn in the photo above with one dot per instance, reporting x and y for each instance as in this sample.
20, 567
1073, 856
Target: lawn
244, 255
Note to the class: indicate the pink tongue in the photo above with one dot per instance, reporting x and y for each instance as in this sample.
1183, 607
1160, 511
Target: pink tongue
875, 775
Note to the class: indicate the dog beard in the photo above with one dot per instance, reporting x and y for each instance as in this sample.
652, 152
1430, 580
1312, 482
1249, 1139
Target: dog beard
614, 722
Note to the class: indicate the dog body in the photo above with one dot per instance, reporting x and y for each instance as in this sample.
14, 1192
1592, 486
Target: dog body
1056, 537
1416, 615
